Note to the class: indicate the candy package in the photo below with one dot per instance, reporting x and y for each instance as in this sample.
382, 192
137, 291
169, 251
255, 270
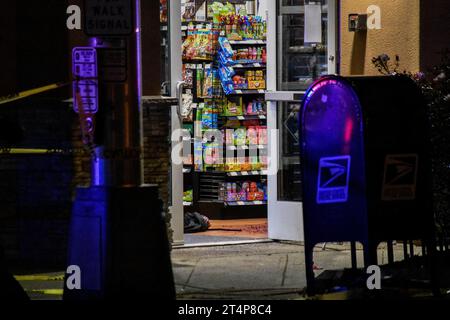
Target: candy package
262, 136
198, 156
240, 137
231, 109
225, 47
252, 136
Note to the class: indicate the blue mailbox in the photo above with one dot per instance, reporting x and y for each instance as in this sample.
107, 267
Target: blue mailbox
365, 164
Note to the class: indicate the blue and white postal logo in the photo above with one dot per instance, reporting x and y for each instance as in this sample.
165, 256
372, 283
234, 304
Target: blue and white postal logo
333, 180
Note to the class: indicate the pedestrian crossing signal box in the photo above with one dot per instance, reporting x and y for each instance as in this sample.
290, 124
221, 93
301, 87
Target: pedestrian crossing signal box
365, 163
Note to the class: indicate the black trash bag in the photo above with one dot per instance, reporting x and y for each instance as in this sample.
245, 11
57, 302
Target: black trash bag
195, 222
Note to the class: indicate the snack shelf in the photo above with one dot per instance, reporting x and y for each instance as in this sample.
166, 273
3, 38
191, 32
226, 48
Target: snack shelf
248, 91
205, 77
244, 203
195, 66
187, 170
194, 60
248, 65
246, 147
248, 42
233, 1
248, 117
247, 173
231, 174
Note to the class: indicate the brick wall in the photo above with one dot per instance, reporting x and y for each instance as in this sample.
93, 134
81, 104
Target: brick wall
157, 152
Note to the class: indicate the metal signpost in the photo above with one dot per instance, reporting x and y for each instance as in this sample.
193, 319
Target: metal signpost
118, 236
112, 25
85, 90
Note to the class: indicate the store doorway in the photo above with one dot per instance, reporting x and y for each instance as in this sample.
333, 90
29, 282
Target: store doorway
224, 72
301, 48
222, 178
231, 55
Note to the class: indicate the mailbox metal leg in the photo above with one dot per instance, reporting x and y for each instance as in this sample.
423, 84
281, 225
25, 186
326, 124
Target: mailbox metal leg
353, 255
310, 279
366, 253
390, 252
432, 266
373, 253
411, 249
424, 249
405, 249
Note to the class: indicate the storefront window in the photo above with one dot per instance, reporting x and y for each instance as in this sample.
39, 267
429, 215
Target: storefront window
303, 50
289, 175
302, 43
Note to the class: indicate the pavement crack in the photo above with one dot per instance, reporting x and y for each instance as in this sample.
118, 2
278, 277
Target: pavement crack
285, 270
190, 274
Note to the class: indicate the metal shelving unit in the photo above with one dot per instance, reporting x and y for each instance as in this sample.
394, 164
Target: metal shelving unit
206, 185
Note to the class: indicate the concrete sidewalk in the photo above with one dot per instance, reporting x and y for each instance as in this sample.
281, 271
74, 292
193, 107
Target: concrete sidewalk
274, 270
270, 270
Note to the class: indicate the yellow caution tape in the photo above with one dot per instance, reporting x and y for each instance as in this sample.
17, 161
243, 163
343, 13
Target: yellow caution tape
32, 92
23, 151
50, 292
39, 277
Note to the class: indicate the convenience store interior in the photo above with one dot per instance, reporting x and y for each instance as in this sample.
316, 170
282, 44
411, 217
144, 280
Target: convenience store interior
225, 115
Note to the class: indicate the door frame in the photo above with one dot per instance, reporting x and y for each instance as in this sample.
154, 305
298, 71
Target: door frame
176, 70
285, 219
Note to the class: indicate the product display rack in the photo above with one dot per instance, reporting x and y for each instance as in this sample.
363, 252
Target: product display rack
206, 185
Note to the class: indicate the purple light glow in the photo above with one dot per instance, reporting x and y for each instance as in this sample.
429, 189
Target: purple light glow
330, 117
348, 130
138, 50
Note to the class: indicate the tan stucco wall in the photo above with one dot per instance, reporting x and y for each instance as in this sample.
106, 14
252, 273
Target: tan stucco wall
399, 34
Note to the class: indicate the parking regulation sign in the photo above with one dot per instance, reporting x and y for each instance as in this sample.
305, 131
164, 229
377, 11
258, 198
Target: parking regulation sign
85, 94
84, 62
108, 17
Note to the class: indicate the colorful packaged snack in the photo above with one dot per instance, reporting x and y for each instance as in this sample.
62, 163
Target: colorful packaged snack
207, 118
262, 136
198, 156
232, 109
252, 136
225, 47
207, 88
240, 137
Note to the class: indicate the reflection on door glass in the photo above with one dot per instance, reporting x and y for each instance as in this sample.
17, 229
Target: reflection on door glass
300, 63
289, 174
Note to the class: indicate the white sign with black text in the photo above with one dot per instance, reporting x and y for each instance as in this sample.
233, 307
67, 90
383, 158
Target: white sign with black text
108, 17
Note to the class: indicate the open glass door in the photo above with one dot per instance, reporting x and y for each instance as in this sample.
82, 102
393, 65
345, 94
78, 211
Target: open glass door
303, 36
171, 76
